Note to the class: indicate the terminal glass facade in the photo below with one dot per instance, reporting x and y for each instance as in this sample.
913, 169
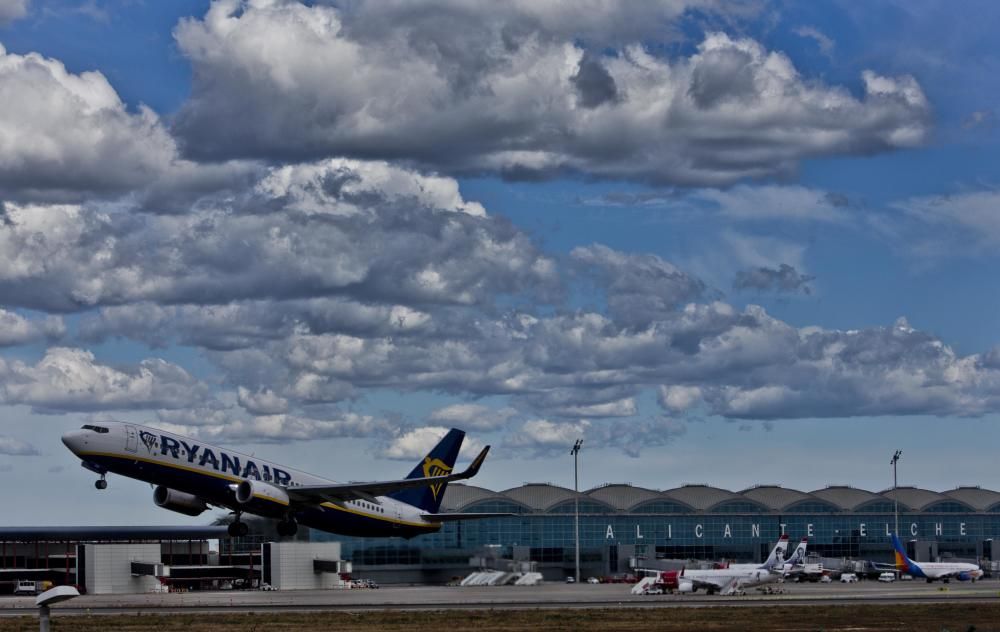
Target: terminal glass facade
616, 527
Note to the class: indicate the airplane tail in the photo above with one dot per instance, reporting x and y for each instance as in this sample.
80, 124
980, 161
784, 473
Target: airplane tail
903, 563
777, 555
439, 462
799, 555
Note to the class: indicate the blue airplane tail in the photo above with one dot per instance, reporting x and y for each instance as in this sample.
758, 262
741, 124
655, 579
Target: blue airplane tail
439, 462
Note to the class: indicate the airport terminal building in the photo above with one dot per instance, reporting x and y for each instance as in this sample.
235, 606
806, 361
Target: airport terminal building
621, 523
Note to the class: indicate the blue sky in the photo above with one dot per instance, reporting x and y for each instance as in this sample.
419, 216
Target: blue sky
327, 233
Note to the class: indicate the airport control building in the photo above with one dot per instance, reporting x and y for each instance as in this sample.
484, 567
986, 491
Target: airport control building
621, 523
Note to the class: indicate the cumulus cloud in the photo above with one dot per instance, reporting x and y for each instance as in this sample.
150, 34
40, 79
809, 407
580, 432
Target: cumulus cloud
518, 93
418, 442
784, 278
542, 437
68, 379
640, 288
678, 398
15, 447
261, 402
472, 416
15, 329
404, 247
280, 428
11, 10
63, 133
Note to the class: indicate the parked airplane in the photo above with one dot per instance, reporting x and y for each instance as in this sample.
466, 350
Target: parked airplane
931, 571
191, 475
795, 567
725, 581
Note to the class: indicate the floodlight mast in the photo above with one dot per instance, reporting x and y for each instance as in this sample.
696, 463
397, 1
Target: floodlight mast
895, 492
576, 504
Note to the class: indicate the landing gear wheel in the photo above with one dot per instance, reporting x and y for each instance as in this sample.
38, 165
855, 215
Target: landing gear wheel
238, 529
287, 528
101, 483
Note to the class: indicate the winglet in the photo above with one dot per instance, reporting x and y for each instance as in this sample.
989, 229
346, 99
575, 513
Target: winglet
473, 468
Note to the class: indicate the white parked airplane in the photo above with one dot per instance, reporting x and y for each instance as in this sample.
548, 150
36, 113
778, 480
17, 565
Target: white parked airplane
725, 581
931, 571
191, 475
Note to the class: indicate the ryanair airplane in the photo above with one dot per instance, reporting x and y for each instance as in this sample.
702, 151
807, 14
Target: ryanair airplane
189, 476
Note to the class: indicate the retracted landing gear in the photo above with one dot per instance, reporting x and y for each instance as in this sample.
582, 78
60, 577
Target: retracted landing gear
237, 528
287, 527
101, 483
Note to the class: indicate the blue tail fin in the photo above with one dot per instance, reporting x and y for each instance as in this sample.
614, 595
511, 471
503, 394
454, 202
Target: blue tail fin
439, 462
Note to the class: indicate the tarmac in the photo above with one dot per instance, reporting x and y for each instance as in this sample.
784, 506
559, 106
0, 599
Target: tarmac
551, 595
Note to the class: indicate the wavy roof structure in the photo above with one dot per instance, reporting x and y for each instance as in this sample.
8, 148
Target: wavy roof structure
543, 497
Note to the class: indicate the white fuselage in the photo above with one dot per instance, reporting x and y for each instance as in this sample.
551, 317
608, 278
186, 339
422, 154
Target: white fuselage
212, 473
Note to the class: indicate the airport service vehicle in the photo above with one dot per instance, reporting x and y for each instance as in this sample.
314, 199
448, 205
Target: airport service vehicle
190, 475
26, 587
848, 578
932, 571
725, 581
887, 577
593, 580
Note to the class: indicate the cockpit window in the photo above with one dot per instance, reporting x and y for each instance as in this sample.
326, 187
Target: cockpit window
100, 429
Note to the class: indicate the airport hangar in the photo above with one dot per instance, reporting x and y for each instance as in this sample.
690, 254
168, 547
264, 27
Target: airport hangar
621, 524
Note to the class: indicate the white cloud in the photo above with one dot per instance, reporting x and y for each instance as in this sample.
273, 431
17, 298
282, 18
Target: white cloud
62, 133
825, 43
541, 436
958, 221
514, 92
71, 257
283, 428
418, 442
678, 399
764, 202
11, 10
15, 447
262, 402
472, 416
67, 379
17, 330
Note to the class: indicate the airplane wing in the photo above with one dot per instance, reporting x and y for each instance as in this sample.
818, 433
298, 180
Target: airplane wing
450, 517
368, 491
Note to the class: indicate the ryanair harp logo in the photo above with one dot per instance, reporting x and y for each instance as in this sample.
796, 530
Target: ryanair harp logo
435, 467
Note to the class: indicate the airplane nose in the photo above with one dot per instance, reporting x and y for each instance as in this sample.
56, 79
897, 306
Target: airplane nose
72, 440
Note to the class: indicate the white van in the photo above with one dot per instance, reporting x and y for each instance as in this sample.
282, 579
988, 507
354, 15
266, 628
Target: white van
26, 587
848, 578
887, 576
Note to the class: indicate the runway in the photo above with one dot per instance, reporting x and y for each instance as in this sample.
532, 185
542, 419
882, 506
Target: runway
558, 596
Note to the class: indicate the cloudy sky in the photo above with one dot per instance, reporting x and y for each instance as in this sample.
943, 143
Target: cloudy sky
725, 242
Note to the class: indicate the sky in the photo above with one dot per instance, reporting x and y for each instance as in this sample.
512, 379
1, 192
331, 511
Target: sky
724, 242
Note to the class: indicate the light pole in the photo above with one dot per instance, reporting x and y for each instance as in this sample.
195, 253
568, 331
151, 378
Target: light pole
576, 502
895, 492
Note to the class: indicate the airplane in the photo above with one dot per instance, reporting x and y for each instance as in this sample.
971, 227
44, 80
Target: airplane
190, 475
796, 567
931, 571
725, 581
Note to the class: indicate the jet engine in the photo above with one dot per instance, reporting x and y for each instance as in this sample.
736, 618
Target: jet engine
685, 587
262, 498
181, 502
